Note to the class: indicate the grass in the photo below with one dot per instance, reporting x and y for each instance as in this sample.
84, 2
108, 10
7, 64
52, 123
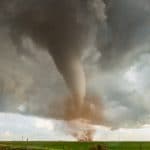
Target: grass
38, 145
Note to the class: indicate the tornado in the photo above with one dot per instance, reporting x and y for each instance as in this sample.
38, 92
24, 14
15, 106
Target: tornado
64, 28
74, 30
73, 73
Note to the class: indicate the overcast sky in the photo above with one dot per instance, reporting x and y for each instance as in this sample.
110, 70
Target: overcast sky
30, 83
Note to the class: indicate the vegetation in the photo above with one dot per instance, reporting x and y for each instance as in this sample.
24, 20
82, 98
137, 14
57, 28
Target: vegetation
38, 145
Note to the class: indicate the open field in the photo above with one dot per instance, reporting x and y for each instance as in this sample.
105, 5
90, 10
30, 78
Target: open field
38, 145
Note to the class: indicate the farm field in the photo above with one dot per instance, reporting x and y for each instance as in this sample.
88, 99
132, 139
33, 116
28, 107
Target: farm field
38, 145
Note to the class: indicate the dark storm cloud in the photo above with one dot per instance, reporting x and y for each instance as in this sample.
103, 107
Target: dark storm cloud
70, 29
65, 28
127, 27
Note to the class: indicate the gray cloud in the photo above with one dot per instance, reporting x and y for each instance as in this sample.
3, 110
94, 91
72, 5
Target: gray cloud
127, 27
30, 82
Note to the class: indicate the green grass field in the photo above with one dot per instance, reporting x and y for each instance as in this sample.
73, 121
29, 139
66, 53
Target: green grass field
74, 145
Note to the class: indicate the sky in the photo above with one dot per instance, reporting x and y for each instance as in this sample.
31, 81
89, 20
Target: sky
19, 127
127, 106
33, 91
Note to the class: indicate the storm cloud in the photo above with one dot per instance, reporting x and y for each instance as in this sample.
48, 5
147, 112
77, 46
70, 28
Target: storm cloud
105, 36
